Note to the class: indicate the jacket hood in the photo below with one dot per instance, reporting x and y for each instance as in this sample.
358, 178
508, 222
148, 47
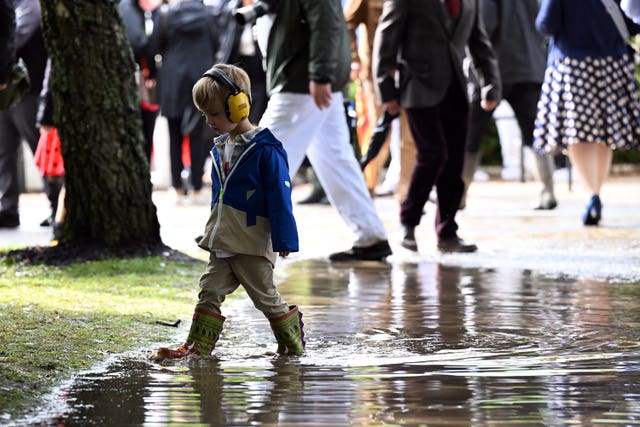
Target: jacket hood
189, 17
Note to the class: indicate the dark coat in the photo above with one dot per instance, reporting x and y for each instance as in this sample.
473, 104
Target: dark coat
186, 37
30, 43
7, 39
134, 21
420, 40
308, 41
521, 48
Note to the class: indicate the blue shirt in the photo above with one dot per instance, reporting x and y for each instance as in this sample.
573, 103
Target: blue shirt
581, 28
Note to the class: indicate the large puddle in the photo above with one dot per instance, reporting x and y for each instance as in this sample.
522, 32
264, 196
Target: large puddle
394, 344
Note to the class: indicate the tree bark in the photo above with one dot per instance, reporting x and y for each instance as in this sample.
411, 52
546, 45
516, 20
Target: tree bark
96, 109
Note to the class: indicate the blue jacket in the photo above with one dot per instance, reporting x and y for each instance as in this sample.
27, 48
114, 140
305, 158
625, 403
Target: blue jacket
251, 209
581, 28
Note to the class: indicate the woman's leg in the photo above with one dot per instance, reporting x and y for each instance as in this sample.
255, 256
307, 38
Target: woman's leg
592, 162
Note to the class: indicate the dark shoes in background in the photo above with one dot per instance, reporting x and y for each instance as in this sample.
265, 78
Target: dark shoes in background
455, 244
8, 220
409, 239
376, 252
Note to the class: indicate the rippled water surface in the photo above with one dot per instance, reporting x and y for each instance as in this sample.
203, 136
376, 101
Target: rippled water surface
395, 344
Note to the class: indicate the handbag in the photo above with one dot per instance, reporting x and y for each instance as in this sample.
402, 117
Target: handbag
17, 86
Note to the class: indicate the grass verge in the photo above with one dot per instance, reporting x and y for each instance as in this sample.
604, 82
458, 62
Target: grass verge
55, 322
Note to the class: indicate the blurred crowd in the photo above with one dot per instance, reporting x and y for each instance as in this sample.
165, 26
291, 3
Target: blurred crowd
371, 98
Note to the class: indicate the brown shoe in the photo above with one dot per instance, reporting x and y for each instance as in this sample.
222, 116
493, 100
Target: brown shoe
455, 244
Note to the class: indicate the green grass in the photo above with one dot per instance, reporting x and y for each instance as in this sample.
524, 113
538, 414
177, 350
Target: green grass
55, 322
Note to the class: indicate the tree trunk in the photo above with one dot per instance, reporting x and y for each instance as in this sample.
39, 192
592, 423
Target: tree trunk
96, 104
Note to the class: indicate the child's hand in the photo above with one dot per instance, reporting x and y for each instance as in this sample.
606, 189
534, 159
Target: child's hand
284, 254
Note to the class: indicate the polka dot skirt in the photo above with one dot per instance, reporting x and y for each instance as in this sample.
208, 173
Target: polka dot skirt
588, 100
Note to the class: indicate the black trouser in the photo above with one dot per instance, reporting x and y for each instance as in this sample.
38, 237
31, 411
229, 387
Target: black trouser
200, 139
439, 134
523, 99
16, 124
148, 126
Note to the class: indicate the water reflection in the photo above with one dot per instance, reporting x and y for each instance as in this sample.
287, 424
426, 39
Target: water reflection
404, 344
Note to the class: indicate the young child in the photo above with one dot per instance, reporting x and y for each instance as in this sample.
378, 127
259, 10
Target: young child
251, 219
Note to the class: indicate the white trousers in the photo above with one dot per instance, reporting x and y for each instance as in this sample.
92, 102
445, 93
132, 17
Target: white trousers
323, 136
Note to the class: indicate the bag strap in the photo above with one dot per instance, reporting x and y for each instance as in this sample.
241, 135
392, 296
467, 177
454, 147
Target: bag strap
618, 19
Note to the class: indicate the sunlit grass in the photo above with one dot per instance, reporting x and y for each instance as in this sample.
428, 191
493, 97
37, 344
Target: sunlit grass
56, 321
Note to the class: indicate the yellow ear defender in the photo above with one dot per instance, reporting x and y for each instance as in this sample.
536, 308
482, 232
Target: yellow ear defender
238, 104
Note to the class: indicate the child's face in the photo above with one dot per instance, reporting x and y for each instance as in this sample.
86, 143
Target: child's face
217, 120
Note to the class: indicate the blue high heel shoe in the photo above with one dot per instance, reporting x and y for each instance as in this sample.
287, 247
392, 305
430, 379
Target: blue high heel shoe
593, 211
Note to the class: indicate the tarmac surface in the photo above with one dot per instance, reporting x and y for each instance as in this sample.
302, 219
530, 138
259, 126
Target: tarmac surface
498, 218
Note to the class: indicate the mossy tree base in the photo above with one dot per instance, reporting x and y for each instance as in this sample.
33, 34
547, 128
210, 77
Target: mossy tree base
66, 254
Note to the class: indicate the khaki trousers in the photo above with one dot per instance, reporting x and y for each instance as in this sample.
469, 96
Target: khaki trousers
254, 273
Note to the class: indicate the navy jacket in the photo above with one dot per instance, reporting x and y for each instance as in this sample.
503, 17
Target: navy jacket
581, 28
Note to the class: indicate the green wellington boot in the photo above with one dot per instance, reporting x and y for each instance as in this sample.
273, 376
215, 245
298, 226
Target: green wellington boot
205, 331
289, 333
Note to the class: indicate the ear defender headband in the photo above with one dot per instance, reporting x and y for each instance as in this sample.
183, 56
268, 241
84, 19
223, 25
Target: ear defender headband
238, 104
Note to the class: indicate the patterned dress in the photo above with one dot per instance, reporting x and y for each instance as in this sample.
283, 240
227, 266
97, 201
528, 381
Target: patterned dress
592, 100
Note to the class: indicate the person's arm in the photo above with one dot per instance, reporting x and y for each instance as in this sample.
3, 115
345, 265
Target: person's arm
632, 16
632, 9
486, 63
7, 41
326, 22
28, 18
549, 19
386, 44
134, 27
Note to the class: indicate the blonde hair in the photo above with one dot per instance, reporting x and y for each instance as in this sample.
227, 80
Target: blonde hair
208, 93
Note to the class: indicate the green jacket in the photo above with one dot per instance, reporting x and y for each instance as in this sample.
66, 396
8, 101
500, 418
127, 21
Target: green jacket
308, 41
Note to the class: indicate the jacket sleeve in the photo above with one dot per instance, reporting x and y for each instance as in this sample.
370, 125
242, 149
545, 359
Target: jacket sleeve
7, 39
325, 20
632, 18
485, 61
134, 28
549, 19
28, 17
386, 43
277, 185
490, 18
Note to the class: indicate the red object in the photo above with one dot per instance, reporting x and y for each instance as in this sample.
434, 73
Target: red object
186, 151
453, 6
48, 155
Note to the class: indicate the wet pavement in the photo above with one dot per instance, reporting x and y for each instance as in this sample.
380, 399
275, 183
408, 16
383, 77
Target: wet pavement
540, 327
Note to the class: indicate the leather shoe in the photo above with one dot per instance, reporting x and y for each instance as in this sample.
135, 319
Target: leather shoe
376, 252
8, 220
317, 196
409, 239
455, 244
